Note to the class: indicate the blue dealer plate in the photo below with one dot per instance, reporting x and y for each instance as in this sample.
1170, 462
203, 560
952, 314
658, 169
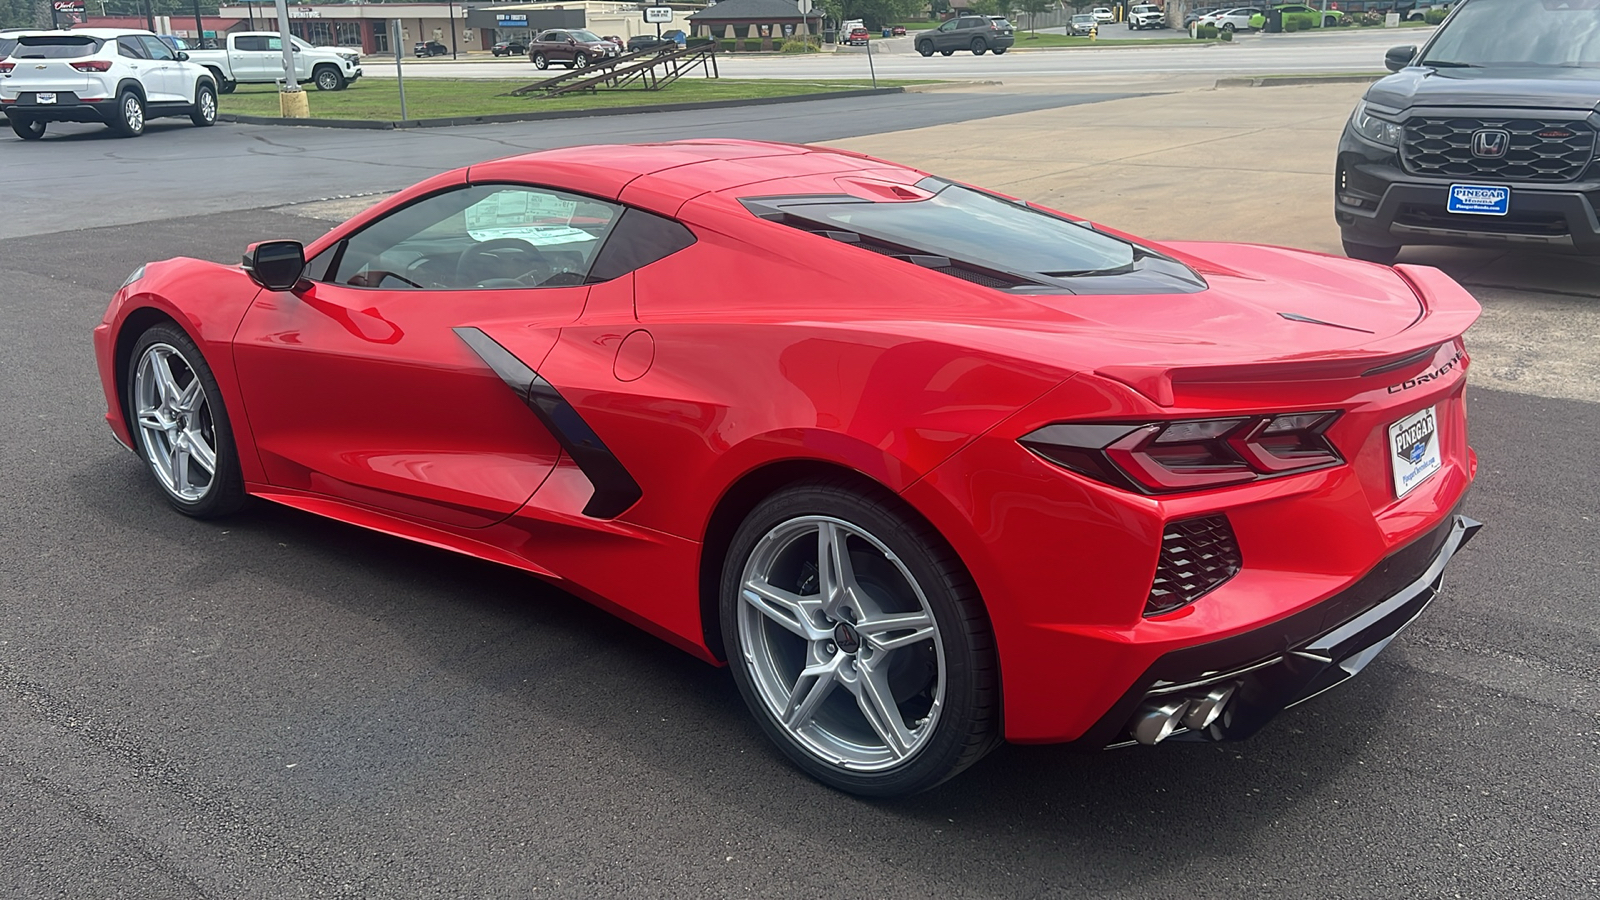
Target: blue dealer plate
1479, 199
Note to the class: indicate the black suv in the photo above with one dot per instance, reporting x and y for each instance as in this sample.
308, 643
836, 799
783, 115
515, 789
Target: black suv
1484, 137
975, 33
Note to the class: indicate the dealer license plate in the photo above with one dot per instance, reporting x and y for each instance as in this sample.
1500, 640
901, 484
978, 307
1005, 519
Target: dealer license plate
1479, 199
44, 98
1414, 449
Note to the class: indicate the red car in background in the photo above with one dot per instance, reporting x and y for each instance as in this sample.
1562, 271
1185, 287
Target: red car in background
858, 37
927, 466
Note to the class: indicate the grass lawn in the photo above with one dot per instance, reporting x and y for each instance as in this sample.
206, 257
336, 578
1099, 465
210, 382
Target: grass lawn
437, 98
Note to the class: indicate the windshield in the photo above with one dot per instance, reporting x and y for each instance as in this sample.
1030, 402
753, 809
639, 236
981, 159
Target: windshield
53, 46
585, 36
965, 224
1515, 33
1083, 18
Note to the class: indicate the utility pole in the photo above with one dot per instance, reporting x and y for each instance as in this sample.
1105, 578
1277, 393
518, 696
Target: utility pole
199, 27
399, 67
452, 4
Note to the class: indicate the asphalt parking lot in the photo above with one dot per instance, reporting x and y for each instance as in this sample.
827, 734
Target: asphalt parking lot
276, 706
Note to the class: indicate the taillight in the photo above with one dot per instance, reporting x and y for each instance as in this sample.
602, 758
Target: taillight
6, 67
93, 65
1191, 454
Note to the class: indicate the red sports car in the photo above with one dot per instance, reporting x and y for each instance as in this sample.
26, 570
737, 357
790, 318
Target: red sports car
929, 467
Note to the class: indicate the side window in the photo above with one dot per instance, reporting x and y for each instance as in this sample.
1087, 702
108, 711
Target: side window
156, 48
130, 47
251, 42
485, 236
639, 239
950, 25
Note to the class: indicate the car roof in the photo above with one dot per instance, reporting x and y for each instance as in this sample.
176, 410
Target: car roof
102, 33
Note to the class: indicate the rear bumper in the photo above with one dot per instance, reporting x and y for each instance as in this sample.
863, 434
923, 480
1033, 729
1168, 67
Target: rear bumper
1271, 668
67, 108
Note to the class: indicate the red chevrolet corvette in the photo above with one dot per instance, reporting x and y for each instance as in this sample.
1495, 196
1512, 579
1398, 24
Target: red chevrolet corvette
927, 466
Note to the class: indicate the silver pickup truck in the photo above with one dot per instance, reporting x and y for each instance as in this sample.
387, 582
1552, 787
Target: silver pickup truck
256, 57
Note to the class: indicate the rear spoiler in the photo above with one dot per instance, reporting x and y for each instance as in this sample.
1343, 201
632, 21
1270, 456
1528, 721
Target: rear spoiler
1447, 312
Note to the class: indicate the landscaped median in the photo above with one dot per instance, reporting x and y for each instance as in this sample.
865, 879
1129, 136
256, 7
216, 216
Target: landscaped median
433, 100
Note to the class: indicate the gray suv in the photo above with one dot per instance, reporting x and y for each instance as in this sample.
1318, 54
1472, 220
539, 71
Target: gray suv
979, 34
1485, 137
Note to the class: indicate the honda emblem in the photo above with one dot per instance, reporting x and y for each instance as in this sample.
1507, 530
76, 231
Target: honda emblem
1490, 143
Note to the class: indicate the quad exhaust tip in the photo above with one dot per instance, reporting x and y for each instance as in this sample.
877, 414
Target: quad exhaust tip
1158, 719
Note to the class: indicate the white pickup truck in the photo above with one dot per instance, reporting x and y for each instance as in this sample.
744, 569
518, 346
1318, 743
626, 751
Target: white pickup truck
256, 57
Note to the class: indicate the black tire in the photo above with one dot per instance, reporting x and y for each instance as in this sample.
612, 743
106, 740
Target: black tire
999, 50
925, 48
540, 61
979, 46
129, 121
224, 86
947, 52
27, 128
224, 493
967, 723
1227, 26
327, 78
1371, 253
204, 112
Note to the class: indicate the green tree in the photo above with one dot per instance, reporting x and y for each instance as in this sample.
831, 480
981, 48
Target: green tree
1033, 8
987, 7
938, 7
878, 13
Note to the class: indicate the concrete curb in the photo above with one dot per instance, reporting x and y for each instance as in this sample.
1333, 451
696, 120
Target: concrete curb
946, 86
1288, 80
391, 124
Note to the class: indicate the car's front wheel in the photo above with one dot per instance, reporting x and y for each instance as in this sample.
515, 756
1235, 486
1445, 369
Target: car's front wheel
540, 61
998, 51
129, 121
26, 128
328, 78
580, 61
180, 426
947, 52
1227, 26
204, 113
858, 640
1371, 253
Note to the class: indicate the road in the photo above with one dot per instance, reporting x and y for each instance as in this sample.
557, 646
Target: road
1355, 51
274, 706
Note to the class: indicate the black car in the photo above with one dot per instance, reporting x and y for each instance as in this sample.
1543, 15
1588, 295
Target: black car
1486, 136
509, 48
429, 48
645, 42
979, 34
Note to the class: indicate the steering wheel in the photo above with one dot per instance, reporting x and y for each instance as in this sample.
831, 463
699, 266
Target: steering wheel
499, 259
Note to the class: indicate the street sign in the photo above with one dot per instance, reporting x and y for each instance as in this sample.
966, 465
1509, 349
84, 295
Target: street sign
511, 20
658, 15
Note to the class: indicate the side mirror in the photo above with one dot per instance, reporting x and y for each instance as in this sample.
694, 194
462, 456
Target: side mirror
1398, 58
276, 265
573, 41
182, 56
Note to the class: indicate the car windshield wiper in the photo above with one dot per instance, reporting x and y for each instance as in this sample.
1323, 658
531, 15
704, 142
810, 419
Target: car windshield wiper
1449, 64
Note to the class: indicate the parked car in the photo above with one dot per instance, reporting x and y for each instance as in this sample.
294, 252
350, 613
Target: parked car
1330, 18
677, 36
645, 42
1485, 137
1146, 15
1014, 478
897, 31
574, 48
509, 48
1194, 15
429, 48
119, 77
1103, 16
256, 57
1082, 24
858, 36
1236, 19
979, 34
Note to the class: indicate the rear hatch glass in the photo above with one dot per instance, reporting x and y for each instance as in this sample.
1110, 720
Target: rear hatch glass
56, 46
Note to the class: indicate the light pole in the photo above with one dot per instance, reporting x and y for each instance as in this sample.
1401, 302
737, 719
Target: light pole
452, 4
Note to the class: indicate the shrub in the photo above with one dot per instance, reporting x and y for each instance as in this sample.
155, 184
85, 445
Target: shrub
1290, 26
1299, 21
795, 46
1207, 31
1225, 35
1435, 16
1372, 18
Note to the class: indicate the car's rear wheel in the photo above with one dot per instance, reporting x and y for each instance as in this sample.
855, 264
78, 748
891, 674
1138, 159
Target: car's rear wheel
328, 78
1371, 253
540, 61
979, 46
204, 113
129, 121
179, 425
858, 640
26, 128
925, 48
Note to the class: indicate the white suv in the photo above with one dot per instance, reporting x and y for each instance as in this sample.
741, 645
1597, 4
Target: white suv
112, 75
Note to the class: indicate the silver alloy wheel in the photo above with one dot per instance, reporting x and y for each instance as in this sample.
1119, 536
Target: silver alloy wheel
133, 113
174, 423
327, 80
841, 643
208, 106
